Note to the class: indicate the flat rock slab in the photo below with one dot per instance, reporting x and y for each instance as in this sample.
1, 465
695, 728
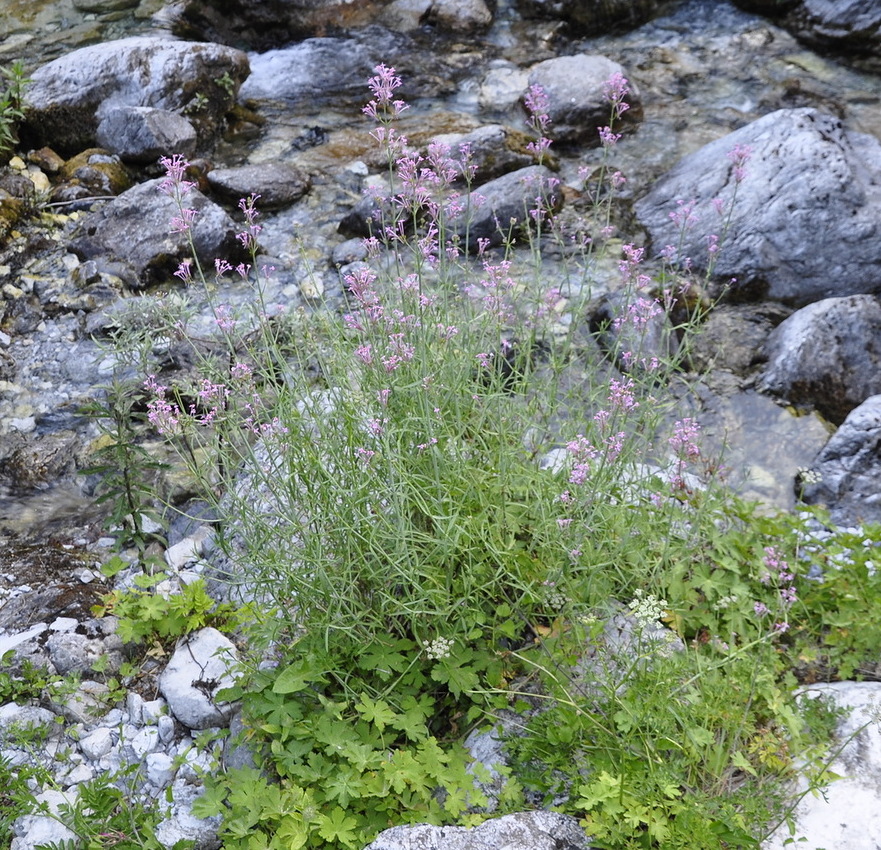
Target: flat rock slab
277, 184
804, 221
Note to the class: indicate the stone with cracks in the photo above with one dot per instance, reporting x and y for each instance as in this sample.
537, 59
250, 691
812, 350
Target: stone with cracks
804, 224
199, 668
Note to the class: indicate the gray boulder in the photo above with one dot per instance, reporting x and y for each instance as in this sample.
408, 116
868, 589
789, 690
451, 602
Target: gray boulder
269, 23
827, 356
844, 476
315, 69
459, 16
733, 336
68, 97
520, 831
577, 107
199, 668
143, 134
134, 229
277, 183
502, 206
806, 216
593, 17
846, 816
493, 150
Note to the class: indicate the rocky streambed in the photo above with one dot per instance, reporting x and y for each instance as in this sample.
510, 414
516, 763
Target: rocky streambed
270, 102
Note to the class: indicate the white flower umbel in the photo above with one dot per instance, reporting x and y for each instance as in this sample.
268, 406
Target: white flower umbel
439, 648
647, 609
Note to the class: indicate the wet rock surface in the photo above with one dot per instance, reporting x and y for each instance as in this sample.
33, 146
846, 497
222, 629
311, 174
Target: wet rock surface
826, 356
593, 17
812, 188
849, 28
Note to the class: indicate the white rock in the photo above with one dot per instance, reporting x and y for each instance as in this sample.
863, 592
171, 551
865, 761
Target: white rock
134, 705
24, 717
146, 741
198, 669
152, 710
160, 769
848, 815
97, 744
77, 774
31, 831
520, 831
187, 550
8, 642
183, 824
165, 725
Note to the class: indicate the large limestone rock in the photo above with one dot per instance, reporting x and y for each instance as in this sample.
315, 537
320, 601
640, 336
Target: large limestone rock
827, 355
806, 217
847, 815
316, 69
844, 476
68, 97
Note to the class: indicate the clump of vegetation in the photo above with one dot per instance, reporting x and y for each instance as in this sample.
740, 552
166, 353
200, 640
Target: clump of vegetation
12, 85
444, 506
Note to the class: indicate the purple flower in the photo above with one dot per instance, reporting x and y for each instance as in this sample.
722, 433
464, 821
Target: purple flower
739, 155
615, 90
608, 139
684, 439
